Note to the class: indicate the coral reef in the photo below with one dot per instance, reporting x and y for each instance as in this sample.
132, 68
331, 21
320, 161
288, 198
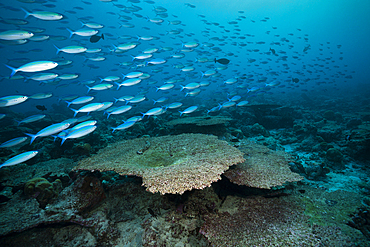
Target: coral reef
259, 221
83, 149
23, 213
334, 155
361, 221
42, 190
171, 164
200, 121
263, 168
204, 124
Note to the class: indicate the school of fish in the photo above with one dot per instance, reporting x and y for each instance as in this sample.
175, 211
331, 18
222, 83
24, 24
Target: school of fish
138, 59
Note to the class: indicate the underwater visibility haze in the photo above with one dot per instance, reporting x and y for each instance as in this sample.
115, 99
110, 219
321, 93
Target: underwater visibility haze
178, 123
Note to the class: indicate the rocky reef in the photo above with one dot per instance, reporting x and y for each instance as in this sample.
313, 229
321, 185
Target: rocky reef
265, 181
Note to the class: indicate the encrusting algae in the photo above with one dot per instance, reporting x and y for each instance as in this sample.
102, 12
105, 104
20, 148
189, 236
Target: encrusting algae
168, 164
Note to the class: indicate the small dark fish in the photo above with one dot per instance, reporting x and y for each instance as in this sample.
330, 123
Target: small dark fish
41, 108
95, 38
223, 61
152, 212
272, 51
295, 80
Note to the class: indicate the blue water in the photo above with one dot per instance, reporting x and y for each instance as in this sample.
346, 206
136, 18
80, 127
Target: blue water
325, 25
321, 50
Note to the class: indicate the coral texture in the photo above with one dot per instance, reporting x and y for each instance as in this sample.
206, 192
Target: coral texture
168, 164
262, 221
42, 190
263, 168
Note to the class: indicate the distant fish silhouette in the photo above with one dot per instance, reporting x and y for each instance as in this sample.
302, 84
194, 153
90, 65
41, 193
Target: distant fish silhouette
295, 80
95, 38
223, 61
41, 107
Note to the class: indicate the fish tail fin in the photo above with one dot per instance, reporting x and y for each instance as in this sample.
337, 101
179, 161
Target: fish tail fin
215, 60
89, 88
108, 114
102, 35
58, 50
83, 24
182, 87
55, 137
114, 129
26, 12
118, 85
14, 70
33, 137
181, 113
26, 78
115, 48
154, 101
63, 140
70, 32
68, 103
18, 122
75, 111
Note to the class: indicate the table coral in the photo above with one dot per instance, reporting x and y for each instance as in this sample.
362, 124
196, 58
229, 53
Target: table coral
168, 164
263, 168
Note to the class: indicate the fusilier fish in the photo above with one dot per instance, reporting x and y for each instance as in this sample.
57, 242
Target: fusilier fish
84, 32
120, 110
20, 158
99, 87
80, 132
165, 87
44, 15
153, 111
189, 110
88, 108
80, 100
83, 124
48, 131
73, 49
13, 142
40, 96
15, 35
31, 119
125, 125
34, 67
12, 100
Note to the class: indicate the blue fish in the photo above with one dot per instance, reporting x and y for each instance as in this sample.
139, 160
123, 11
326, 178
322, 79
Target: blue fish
20, 158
